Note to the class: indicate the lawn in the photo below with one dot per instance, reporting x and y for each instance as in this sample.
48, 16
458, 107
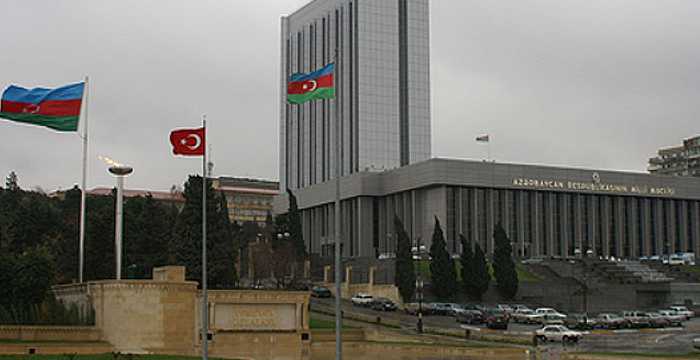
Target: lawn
316, 323
423, 267
99, 357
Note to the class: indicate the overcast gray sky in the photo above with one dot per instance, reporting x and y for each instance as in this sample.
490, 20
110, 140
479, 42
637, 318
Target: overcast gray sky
590, 83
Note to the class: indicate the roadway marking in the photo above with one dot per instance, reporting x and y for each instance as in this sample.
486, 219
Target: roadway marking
658, 339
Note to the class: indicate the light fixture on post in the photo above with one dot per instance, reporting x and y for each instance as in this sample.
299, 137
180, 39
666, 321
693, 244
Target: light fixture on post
120, 171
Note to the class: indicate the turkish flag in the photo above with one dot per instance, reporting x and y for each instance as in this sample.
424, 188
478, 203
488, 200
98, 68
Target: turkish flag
188, 142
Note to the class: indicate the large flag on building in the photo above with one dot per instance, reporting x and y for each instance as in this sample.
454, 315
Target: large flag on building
188, 142
58, 109
314, 85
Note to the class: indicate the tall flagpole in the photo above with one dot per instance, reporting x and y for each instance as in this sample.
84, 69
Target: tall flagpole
83, 185
205, 299
338, 313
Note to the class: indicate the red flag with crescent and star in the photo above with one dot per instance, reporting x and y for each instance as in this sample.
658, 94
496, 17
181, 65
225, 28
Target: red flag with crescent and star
188, 142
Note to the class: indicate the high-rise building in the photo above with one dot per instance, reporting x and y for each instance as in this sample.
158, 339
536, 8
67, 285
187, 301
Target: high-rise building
383, 80
681, 160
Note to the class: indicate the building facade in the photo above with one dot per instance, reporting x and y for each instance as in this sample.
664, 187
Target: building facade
247, 199
383, 88
546, 211
682, 160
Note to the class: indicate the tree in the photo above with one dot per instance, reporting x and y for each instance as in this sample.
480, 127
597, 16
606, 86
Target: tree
11, 182
442, 269
475, 274
503, 265
294, 224
186, 243
405, 278
147, 232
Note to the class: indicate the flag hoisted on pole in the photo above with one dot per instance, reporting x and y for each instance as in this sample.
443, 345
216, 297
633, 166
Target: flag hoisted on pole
301, 88
192, 142
58, 109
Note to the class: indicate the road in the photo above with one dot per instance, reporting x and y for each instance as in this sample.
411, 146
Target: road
678, 340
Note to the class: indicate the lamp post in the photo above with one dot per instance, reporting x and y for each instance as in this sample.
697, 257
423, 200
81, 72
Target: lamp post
418, 252
120, 171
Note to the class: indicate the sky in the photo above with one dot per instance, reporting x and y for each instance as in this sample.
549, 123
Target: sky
591, 83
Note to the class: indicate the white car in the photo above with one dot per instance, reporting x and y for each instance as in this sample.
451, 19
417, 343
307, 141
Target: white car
549, 316
524, 316
683, 311
558, 333
362, 299
672, 317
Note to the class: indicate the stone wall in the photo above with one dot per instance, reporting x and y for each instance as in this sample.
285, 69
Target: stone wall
50, 333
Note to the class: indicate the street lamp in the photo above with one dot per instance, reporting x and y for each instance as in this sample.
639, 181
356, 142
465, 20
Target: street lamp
120, 171
418, 252
577, 252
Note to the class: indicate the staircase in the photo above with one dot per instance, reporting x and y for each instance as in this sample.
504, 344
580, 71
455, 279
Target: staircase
635, 271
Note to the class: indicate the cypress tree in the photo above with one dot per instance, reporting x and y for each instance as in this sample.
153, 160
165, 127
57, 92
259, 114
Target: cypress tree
405, 278
475, 275
503, 265
186, 243
294, 224
442, 270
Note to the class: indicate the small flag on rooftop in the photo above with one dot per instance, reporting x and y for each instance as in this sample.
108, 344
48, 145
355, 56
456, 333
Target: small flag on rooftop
483, 138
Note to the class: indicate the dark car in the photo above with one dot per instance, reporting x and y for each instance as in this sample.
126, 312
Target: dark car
470, 316
496, 319
580, 322
321, 292
383, 304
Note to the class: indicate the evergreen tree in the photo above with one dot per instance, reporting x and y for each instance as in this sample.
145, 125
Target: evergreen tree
66, 249
294, 224
186, 243
503, 265
442, 269
475, 274
100, 255
147, 232
405, 278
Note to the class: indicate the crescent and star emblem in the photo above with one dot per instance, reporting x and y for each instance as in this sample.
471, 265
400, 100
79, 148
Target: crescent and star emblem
31, 109
196, 140
310, 85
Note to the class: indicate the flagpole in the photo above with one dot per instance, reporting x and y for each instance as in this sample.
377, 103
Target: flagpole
338, 313
83, 185
205, 299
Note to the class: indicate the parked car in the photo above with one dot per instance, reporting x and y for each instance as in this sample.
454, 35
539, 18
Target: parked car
505, 307
383, 304
558, 333
683, 311
696, 343
447, 309
611, 321
517, 307
524, 316
657, 321
412, 308
637, 319
361, 299
469, 314
580, 322
673, 318
549, 316
495, 318
321, 292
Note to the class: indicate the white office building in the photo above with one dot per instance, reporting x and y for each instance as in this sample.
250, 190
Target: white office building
383, 78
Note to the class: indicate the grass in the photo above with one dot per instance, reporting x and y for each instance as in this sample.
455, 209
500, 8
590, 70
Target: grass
423, 266
99, 357
691, 268
316, 323
645, 355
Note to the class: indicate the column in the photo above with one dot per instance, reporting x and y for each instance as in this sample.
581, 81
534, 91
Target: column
490, 223
684, 225
593, 225
551, 203
564, 236
658, 219
695, 223
475, 215
536, 231
606, 225
634, 228
671, 233
619, 226
578, 222
520, 215
646, 227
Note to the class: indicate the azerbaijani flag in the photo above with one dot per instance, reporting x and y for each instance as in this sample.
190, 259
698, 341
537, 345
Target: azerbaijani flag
314, 85
58, 109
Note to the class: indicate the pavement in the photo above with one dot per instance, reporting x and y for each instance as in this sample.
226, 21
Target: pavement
664, 341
